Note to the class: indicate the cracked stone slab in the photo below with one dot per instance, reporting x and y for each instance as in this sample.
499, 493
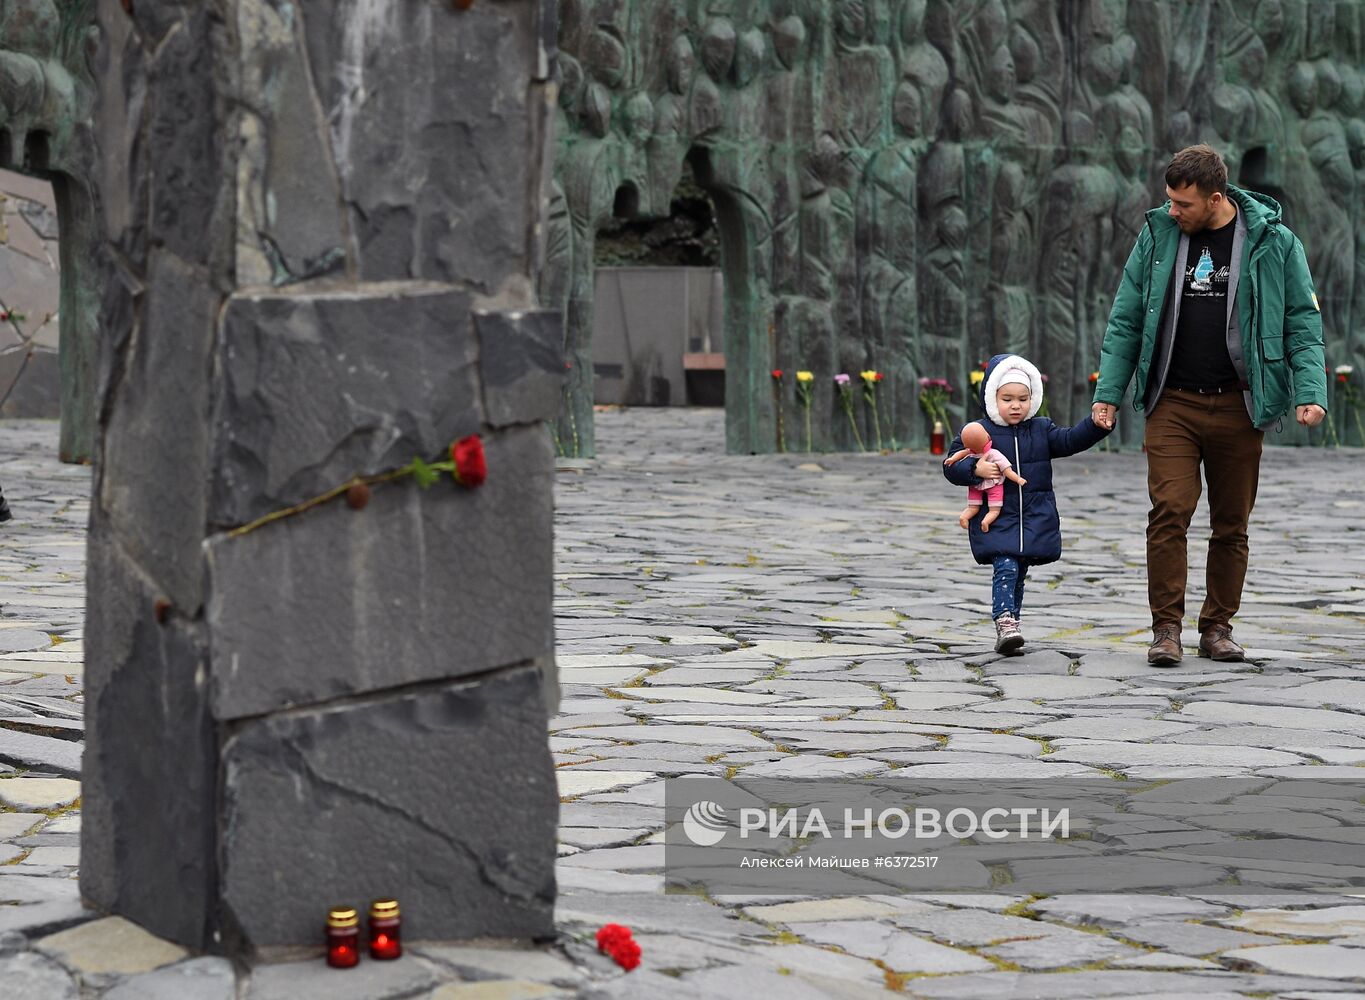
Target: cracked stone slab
486, 552
521, 365
315, 980
822, 910
1326, 961
732, 739
1184, 938
788, 650
573, 781
1119, 755
399, 367
492, 878
1327, 922
898, 949
526, 963
196, 979
496, 989
111, 945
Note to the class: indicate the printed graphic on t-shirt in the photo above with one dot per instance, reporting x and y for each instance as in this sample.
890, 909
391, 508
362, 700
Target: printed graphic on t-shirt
1204, 280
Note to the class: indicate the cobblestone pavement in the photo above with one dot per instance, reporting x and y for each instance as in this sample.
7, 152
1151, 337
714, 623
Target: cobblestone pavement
781, 615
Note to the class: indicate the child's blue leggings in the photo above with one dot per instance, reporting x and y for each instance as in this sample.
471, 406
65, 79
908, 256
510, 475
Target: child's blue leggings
1007, 587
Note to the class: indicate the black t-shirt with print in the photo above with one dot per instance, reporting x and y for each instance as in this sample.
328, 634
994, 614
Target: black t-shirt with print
1200, 356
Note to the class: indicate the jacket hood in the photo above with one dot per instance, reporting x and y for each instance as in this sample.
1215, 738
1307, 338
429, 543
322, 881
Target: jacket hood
996, 369
1260, 210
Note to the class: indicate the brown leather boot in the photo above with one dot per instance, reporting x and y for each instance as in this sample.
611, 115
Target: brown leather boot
1165, 649
1216, 643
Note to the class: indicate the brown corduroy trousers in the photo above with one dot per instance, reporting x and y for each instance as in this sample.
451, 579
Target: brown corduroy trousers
1184, 430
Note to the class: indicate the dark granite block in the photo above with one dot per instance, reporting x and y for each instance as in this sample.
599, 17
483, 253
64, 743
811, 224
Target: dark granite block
435, 174
288, 185
319, 388
521, 362
420, 585
444, 798
154, 461
148, 781
193, 178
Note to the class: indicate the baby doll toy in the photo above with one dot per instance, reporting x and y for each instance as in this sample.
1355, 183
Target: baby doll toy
977, 442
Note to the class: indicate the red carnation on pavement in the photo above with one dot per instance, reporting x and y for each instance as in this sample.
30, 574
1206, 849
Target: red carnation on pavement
616, 940
471, 468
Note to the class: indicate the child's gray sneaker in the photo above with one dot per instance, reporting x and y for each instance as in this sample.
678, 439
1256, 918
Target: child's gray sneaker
1008, 637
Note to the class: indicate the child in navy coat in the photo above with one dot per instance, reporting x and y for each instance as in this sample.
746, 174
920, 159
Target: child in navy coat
1027, 531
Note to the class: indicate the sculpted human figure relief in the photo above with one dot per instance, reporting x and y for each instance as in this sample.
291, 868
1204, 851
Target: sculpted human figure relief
1012, 214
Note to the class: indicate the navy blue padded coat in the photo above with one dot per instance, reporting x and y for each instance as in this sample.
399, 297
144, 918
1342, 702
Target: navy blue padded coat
1031, 445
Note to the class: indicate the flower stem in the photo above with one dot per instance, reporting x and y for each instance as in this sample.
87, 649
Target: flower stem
808, 439
854, 424
321, 498
876, 421
781, 442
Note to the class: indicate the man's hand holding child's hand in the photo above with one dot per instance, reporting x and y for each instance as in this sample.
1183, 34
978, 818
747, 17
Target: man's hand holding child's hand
1103, 414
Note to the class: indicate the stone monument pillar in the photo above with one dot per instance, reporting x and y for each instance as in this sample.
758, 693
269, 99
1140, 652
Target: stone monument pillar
322, 225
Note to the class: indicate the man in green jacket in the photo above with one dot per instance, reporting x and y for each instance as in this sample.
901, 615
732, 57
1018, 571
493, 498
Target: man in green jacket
1217, 317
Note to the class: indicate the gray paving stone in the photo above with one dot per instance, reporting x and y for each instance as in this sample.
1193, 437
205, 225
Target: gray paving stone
1063, 948
17, 824
1106, 753
196, 979
813, 766
1326, 961
477, 962
28, 976
1092, 985
36, 919
315, 980
653, 913
898, 949
28, 888
696, 506
1193, 939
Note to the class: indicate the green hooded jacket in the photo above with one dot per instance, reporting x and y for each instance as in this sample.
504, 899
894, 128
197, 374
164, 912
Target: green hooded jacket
1278, 313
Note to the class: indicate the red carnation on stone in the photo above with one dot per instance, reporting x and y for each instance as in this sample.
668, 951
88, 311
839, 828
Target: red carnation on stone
616, 940
471, 468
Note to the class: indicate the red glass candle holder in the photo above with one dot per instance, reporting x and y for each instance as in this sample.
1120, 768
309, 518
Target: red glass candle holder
936, 442
386, 940
343, 937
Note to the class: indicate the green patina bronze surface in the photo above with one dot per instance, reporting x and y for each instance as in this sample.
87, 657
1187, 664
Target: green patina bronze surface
913, 185
48, 55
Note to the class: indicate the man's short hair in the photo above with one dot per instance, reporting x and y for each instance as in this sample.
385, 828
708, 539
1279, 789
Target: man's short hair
1201, 166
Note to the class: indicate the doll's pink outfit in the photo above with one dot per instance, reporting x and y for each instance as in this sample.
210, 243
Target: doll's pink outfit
993, 489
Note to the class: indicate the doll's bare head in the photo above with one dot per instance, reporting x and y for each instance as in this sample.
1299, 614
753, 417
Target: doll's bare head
977, 438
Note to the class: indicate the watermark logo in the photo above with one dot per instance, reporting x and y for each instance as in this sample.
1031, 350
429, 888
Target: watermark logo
704, 823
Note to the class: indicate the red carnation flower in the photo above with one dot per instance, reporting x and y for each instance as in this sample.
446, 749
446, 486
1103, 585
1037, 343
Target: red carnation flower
626, 954
471, 468
616, 941
777, 373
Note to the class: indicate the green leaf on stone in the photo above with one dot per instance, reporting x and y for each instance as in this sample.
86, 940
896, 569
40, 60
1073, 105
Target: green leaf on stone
425, 475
